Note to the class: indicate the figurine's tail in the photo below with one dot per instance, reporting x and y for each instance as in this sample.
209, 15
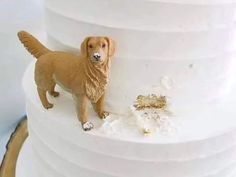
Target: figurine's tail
32, 44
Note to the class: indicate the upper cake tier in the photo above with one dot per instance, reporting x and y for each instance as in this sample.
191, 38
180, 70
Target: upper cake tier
146, 29
182, 49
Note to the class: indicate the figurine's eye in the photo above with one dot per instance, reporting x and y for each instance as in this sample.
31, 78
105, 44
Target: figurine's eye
103, 45
90, 46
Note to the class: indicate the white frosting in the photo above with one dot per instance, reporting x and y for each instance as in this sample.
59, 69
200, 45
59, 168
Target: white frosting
62, 148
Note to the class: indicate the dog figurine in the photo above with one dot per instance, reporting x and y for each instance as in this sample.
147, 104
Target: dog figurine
85, 76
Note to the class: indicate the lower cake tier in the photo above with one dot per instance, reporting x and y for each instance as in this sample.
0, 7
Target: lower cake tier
202, 146
29, 161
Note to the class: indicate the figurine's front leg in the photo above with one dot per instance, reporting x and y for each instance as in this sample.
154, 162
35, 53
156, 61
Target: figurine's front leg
81, 108
99, 108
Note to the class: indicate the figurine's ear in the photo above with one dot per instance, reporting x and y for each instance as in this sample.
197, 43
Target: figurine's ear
84, 47
111, 47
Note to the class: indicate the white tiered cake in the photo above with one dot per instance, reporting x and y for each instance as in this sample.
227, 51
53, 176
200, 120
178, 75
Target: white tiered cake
182, 49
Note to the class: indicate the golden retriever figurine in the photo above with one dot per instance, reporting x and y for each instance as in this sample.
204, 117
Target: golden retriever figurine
85, 76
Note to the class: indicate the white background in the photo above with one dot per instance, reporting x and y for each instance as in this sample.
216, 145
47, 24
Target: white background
15, 15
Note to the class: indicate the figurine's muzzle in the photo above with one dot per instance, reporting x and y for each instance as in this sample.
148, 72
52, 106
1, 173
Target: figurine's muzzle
97, 56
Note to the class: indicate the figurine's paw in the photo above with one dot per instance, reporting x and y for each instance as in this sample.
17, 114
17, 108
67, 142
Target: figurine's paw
87, 126
54, 94
48, 106
104, 115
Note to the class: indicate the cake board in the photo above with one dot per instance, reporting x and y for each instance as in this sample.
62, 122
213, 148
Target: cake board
13, 148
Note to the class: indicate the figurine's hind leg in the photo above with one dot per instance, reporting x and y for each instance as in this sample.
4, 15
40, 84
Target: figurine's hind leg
43, 98
52, 90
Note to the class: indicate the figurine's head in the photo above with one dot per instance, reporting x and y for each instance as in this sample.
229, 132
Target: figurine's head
98, 49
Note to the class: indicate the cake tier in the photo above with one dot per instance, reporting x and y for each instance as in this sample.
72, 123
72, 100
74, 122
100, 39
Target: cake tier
204, 146
182, 49
25, 166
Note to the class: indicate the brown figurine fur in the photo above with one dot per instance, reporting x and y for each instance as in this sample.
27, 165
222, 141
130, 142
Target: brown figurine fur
85, 76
